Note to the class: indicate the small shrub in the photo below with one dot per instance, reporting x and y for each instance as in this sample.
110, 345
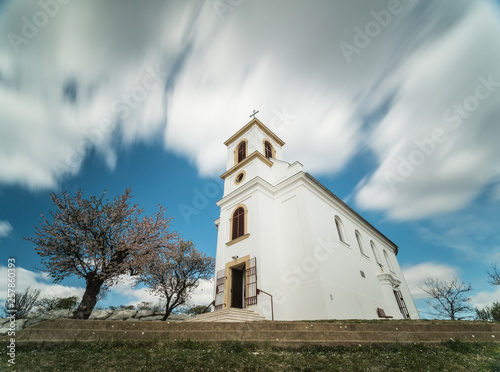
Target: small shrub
459, 346
145, 305
483, 314
495, 311
67, 303
232, 346
188, 345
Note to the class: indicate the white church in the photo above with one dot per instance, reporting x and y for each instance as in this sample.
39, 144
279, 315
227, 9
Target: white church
290, 249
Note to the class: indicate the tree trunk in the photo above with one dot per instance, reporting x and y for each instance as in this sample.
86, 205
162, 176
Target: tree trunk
89, 298
167, 313
168, 308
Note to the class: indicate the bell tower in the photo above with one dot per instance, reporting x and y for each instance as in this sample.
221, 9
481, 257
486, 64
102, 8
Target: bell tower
251, 152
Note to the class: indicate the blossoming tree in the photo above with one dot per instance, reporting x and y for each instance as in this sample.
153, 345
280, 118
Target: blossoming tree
176, 273
99, 240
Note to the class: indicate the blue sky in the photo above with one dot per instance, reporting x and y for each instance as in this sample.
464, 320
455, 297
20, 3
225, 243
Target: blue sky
393, 105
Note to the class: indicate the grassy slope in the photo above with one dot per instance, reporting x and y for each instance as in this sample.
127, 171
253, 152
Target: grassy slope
233, 356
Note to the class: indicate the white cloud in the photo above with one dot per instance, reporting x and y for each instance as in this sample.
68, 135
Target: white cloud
91, 56
416, 275
121, 293
485, 298
86, 68
419, 176
37, 280
202, 295
76, 85
5, 228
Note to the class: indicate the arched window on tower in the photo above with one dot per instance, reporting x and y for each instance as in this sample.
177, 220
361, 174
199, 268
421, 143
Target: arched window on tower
242, 151
340, 229
268, 150
360, 243
238, 223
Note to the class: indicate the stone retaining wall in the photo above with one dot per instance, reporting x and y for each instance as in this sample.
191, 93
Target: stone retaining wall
107, 314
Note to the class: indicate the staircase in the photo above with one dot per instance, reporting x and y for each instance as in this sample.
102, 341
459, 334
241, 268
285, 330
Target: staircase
229, 315
280, 334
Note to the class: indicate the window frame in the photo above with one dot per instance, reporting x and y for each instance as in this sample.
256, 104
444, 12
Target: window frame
361, 245
341, 230
245, 233
388, 261
375, 252
268, 150
238, 222
239, 151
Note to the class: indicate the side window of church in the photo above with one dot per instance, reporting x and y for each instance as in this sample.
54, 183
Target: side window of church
242, 151
360, 242
375, 253
388, 261
268, 150
340, 229
238, 223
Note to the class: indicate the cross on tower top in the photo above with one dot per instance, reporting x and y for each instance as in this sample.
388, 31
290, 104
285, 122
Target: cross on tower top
254, 113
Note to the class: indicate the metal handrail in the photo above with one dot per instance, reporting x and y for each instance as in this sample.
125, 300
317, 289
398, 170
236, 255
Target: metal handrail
272, 305
211, 303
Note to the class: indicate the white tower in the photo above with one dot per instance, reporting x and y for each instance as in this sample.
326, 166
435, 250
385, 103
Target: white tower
282, 233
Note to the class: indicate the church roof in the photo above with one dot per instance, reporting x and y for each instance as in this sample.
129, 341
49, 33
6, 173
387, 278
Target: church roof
261, 126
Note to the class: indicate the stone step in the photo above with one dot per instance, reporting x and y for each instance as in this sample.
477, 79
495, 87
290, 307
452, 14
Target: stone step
276, 333
413, 327
229, 315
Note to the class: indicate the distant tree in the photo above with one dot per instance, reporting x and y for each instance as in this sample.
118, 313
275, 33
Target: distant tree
495, 311
196, 310
483, 314
67, 303
489, 313
98, 240
25, 301
175, 273
448, 297
145, 305
49, 303
494, 275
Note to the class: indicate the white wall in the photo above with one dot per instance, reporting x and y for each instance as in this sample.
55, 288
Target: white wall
300, 259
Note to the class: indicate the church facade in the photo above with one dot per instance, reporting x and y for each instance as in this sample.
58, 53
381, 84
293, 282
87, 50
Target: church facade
290, 249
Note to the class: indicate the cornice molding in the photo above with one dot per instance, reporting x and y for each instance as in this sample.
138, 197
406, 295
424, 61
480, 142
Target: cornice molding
248, 159
262, 127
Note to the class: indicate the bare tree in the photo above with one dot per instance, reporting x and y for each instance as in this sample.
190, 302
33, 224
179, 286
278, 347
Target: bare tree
98, 240
175, 273
494, 275
448, 297
25, 301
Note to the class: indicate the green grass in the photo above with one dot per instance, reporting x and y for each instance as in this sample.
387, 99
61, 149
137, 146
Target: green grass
235, 356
